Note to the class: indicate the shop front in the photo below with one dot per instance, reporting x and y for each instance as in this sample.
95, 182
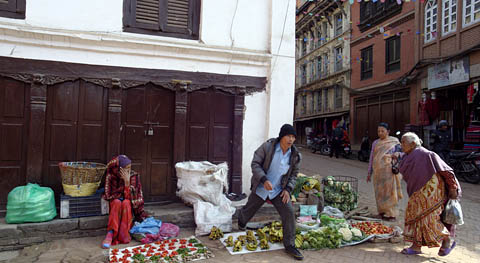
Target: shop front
452, 95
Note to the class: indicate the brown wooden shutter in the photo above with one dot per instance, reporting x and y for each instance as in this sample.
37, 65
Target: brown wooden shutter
177, 18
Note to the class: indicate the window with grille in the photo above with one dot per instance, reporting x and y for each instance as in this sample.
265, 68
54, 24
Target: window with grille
319, 36
319, 100
312, 103
304, 104
392, 56
304, 74
319, 67
338, 97
325, 64
471, 12
171, 18
12, 9
325, 100
304, 45
366, 63
449, 16
325, 32
430, 20
338, 59
338, 24
312, 71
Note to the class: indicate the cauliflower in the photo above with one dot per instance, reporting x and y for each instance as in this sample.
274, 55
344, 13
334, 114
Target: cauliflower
346, 234
356, 232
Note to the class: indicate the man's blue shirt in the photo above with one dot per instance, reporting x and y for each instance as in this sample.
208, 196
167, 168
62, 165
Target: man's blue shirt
278, 167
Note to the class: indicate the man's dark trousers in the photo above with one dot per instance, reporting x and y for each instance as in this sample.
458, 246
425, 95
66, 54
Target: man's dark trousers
335, 148
286, 212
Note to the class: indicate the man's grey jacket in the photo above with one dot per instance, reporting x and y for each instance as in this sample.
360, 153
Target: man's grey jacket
262, 159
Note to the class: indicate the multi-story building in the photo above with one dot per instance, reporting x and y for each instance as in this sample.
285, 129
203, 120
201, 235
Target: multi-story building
322, 67
449, 68
162, 81
382, 54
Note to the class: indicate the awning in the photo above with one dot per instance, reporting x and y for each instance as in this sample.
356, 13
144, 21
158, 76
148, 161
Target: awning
333, 114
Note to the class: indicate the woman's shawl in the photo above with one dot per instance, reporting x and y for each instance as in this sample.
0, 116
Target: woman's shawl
419, 166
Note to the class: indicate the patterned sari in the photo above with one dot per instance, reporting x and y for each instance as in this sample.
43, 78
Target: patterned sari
387, 185
423, 225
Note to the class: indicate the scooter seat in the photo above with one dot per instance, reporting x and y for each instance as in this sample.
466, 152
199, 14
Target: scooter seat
458, 155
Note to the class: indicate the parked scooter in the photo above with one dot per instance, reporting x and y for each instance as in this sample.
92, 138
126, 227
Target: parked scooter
464, 166
345, 149
364, 153
318, 143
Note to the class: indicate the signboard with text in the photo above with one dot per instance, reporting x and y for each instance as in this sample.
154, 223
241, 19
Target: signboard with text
448, 73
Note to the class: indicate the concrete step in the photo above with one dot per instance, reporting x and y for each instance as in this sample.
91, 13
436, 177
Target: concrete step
17, 236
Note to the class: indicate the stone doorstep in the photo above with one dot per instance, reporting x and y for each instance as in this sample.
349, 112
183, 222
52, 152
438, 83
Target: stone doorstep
17, 236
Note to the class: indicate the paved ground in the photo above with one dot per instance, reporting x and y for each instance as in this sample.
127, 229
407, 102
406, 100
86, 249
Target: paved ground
468, 248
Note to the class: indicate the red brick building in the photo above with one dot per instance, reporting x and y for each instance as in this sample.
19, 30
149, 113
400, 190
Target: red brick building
383, 52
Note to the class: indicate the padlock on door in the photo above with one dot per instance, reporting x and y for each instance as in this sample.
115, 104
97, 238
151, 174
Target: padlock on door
150, 131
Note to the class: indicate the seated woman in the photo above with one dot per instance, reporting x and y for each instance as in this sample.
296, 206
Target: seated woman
430, 183
124, 191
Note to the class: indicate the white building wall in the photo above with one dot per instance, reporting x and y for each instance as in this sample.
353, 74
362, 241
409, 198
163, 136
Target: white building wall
240, 37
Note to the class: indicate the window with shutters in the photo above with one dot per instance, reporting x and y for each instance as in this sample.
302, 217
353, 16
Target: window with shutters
12, 9
171, 18
392, 56
366, 63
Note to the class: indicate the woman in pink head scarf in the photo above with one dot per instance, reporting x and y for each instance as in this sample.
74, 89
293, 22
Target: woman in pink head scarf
124, 192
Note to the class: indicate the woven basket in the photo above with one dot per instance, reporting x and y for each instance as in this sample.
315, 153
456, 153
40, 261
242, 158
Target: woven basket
81, 178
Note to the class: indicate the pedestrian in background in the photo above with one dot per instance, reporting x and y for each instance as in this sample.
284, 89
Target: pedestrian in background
386, 184
337, 136
430, 183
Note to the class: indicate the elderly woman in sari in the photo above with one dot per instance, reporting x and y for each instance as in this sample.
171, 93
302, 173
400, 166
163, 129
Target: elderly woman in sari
124, 192
430, 183
387, 185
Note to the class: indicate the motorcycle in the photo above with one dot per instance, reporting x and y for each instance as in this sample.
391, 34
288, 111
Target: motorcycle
345, 149
364, 153
318, 143
464, 165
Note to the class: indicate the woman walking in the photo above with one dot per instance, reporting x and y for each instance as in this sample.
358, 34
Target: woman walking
387, 185
430, 183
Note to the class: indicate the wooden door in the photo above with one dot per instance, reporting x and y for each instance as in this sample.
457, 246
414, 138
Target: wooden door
13, 133
75, 127
147, 138
210, 127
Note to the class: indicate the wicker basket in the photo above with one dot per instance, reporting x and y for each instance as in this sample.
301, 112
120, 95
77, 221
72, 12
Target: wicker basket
81, 178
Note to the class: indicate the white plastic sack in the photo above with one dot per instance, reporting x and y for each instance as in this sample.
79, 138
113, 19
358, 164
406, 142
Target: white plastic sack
202, 181
332, 211
207, 216
453, 213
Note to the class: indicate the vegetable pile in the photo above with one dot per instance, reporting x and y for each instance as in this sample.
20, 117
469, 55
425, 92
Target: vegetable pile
272, 233
173, 250
326, 237
339, 194
373, 228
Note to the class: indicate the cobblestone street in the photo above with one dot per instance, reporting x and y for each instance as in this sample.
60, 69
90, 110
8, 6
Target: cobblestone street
467, 250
